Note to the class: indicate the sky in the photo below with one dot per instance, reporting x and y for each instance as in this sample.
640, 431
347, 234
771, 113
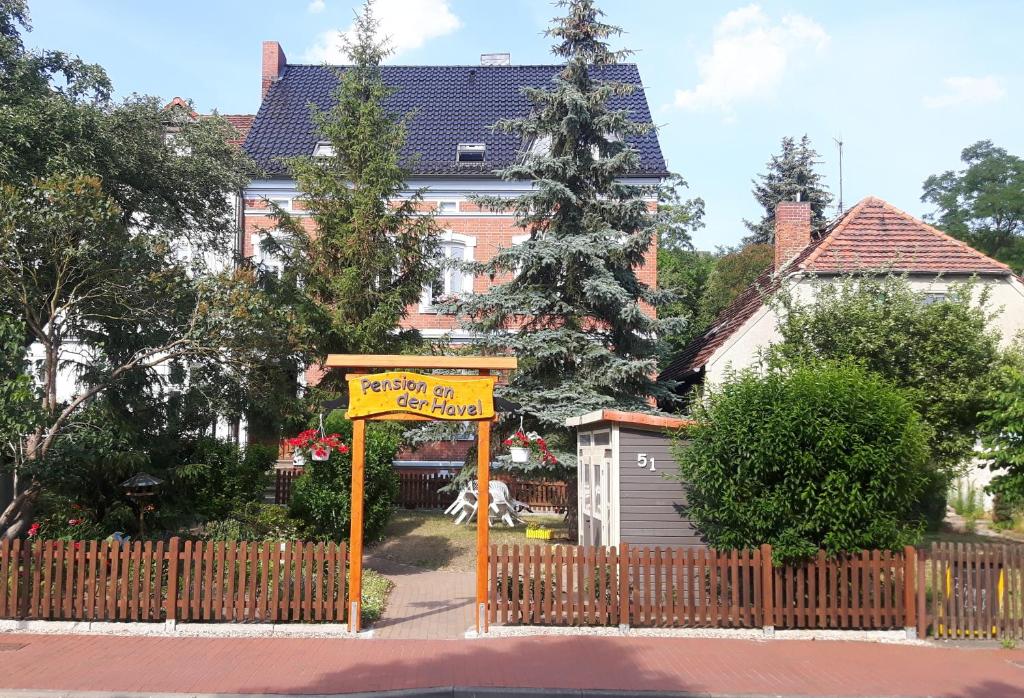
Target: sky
904, 85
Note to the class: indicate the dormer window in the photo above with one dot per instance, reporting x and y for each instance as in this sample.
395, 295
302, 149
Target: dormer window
470, 152
323, 149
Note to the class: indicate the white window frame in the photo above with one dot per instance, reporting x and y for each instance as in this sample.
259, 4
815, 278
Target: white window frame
468, 243
285, 202
323, 149
262, 258
440, 204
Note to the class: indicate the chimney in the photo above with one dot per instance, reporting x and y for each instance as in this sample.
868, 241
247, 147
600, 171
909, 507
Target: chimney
792, 230
274, 62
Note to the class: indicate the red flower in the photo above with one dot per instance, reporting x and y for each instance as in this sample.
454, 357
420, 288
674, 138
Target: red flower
74, 522
33, 530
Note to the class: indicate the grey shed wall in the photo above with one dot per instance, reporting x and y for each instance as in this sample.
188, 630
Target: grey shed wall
649, 503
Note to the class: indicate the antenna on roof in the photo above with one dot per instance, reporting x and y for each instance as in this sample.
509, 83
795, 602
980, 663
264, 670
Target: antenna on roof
839, 145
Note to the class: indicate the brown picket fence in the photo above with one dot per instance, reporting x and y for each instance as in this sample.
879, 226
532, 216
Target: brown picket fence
698, 587
638, 586
197, 581
284, 481
872, 589
974, 591
424, 491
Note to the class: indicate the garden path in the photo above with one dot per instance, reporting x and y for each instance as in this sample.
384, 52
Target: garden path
425, 604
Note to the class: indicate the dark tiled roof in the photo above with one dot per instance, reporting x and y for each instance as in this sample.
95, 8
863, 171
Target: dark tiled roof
450, 105
242, 124
872, 236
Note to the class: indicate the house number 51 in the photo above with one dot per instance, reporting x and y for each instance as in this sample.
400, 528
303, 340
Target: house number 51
643, 461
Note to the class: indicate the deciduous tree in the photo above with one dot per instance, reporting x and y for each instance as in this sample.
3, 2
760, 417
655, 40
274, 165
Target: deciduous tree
982, 204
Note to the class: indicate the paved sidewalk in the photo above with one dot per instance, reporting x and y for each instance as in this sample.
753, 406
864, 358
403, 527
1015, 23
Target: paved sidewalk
424, 605
327, 666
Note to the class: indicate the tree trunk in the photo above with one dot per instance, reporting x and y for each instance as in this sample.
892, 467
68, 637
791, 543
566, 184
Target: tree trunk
18, 515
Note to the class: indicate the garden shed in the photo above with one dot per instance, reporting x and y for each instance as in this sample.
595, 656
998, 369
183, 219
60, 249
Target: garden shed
628, 486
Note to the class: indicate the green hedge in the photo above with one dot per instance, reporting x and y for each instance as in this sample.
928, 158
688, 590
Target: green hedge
819, 456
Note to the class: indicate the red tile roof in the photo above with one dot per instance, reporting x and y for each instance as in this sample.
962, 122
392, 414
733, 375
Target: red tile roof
242, 123
875, 235
872, 236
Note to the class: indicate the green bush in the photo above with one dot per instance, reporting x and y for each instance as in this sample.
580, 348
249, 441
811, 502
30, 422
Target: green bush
818, 456
321, 497
255, 522
943, 355
221, 478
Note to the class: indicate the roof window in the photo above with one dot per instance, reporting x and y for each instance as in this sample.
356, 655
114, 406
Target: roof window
470, 152
323, 149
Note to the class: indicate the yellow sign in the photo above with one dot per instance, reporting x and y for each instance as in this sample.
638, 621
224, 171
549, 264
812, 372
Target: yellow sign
438, 397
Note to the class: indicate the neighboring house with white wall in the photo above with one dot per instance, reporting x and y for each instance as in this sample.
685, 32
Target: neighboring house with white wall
873, 236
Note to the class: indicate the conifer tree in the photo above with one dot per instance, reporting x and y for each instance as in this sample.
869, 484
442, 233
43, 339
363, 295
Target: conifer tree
573, 309
790, 174
371, 251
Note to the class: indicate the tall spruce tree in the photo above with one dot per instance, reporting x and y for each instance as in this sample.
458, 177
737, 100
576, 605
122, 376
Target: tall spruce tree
573, 309
790, 174
372, 250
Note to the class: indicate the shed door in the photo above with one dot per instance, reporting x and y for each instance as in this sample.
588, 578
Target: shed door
595, 460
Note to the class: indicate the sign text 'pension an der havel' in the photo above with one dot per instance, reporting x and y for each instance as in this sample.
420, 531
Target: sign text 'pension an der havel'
437, 397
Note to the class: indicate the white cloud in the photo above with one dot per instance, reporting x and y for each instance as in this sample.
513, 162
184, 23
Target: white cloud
408, 24
967, 90
749, 58
317, 6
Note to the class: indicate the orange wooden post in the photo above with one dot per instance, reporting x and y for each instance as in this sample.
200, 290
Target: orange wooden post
483, 477
355, 539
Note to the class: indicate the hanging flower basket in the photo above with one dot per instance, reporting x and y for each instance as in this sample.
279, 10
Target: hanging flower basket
317, 444
522, 446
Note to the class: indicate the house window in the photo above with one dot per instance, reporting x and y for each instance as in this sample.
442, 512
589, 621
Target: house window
470, 152
933, 298
451, 281
323, 149
263, 257
446, 208
281, 202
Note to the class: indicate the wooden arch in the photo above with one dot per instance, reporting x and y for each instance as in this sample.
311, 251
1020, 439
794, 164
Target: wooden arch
409, 394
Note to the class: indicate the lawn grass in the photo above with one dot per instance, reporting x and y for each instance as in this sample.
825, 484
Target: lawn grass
432, 540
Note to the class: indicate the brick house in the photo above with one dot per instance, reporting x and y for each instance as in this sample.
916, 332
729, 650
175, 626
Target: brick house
451, 152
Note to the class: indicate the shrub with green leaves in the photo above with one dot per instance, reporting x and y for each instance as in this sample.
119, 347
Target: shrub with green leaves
816, 456
256, 521
221, 477
1003, 429
321, 497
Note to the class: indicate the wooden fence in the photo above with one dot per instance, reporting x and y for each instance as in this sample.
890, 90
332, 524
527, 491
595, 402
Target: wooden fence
870, 590
266, 582
698, 587
284, 479
424, 491
974, 591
